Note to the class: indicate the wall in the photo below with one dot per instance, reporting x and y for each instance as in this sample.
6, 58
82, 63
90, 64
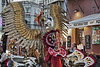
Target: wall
75, 34
88, 7
96, 49
88, 31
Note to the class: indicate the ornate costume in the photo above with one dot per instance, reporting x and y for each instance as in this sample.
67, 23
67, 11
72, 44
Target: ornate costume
55, 56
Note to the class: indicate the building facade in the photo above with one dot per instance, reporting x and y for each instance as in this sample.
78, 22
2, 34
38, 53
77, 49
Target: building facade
31, 8
84, 16
31, 12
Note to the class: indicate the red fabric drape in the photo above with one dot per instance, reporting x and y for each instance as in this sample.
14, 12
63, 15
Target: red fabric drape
54, 61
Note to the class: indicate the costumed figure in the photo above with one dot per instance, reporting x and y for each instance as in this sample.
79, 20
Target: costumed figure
55, 50
55, 55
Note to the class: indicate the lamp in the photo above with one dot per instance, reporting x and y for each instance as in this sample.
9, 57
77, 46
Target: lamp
76, 10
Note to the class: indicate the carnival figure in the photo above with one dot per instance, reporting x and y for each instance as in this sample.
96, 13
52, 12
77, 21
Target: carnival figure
55, 55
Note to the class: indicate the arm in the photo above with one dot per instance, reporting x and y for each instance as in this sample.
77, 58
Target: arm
47, 58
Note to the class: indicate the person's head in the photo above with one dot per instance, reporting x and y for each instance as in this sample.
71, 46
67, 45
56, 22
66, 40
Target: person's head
74, 45
57, 45
92, 53
1, 50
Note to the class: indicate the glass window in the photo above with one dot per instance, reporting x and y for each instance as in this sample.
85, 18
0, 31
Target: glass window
3, 1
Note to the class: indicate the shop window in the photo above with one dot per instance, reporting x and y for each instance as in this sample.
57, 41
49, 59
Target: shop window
96, 35
81, 36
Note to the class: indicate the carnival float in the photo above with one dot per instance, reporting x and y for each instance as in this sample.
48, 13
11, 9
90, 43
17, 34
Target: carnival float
20, 35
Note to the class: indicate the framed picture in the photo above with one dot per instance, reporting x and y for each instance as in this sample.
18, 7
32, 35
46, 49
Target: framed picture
87, 42
69, 41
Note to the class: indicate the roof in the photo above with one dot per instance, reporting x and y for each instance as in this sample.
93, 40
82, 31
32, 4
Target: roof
87, 18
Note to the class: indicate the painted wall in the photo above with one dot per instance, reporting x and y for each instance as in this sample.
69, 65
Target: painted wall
96, 49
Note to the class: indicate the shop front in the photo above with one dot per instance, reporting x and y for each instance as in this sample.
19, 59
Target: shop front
86, 33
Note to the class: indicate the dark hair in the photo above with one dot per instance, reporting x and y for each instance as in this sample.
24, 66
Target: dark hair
75, 45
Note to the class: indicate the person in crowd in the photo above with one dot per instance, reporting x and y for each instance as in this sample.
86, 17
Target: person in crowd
3, 58
80, 47
74, 46
55, 61
95, 57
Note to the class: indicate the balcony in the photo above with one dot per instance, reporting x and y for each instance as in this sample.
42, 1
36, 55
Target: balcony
53, 1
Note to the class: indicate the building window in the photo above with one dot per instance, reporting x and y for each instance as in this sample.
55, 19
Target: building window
81, 36
34, 11
3, 3
61, 4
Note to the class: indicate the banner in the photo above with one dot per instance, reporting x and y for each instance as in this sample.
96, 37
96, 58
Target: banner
83, 24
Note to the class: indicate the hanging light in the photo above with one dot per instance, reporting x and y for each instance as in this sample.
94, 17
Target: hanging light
76, 10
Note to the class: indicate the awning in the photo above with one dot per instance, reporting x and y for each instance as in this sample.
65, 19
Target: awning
89, 20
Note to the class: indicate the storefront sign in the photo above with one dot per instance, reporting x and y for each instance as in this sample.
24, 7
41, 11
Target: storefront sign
84, 24
81, 24
78, 25
87, 41
69, 41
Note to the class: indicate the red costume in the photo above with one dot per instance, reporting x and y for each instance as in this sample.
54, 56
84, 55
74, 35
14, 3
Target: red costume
55, 57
